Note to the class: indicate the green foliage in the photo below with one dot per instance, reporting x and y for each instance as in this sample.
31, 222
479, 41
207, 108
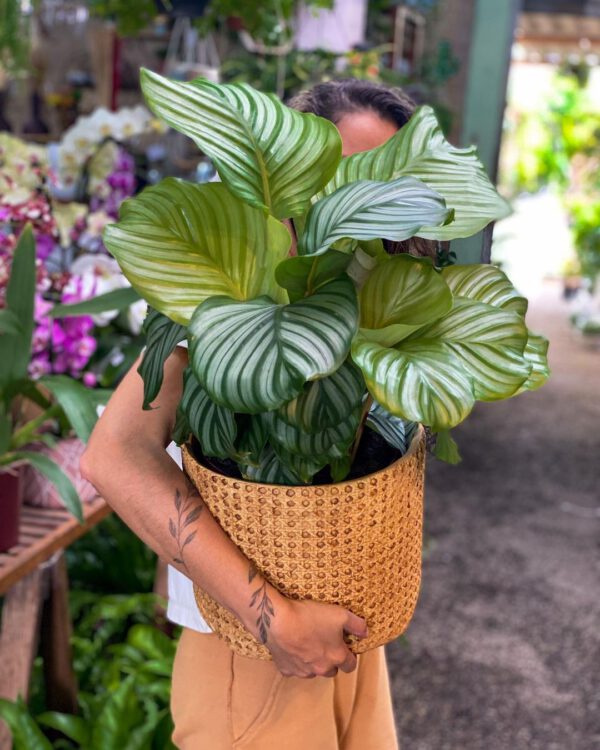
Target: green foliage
69, 405
110, 558
585, 227
561, 147
130, 16
549, 141
265, 141
123, 664
162, 336
14, 37
117, 299
271, 383
269, 21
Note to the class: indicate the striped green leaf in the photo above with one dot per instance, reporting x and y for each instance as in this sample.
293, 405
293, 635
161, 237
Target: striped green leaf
254, 356
420, 150
395, 431
270, 470
252, 437
367, 210
421, 382
179, 244
213, 426
401, 295
484, 283
325, 402
332, 442
536, 353
304, 467
489, 343
303, 275
162, 336
267, 154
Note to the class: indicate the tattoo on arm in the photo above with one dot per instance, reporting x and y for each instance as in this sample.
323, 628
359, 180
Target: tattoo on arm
188, 507
263, 603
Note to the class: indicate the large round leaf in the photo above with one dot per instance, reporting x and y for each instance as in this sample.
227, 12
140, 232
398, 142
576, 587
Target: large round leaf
536, 353
267, 154
303, 275
403, 291
484, 283
254, 356
422, 382
179, 244
367, 210
325, 402
489, 343
419, 149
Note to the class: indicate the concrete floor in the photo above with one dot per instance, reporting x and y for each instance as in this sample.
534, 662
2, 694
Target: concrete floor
504, 649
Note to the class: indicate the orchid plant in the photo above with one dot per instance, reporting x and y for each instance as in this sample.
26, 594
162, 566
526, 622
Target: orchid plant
72, 266
290, 357
32, 410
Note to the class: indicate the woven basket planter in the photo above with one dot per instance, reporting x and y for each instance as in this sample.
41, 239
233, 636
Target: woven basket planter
356, 543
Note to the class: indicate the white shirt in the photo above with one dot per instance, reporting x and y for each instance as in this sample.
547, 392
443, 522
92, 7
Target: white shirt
182, 608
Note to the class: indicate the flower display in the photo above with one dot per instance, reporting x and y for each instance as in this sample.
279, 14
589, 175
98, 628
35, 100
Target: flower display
72, 263
91, 143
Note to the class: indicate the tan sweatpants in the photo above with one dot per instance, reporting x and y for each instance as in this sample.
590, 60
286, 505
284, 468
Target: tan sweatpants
222, 701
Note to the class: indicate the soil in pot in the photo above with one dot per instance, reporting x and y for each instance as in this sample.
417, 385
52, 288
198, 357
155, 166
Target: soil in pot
373, 454
10, 508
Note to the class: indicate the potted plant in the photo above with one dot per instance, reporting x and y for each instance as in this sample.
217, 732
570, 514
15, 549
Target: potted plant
29, 407
297, 364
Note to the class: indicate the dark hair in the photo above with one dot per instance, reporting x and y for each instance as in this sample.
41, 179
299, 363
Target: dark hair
334, 99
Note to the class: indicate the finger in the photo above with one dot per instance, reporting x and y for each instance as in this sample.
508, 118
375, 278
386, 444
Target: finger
356, 625
349, 664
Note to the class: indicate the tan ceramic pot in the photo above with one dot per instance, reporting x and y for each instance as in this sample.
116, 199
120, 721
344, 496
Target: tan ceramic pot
356, 543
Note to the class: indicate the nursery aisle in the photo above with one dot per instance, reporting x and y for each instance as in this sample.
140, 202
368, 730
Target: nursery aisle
501, 653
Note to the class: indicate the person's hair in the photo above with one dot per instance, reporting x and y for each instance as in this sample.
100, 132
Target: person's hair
334, 99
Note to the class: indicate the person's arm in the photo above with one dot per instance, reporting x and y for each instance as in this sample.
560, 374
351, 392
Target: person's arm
127, 462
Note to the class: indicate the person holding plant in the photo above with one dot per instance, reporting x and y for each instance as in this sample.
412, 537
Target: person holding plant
221, 700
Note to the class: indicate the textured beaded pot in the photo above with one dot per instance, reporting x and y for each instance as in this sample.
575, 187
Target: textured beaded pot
355, 543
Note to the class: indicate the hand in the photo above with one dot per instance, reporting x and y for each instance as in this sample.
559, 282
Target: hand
306, 638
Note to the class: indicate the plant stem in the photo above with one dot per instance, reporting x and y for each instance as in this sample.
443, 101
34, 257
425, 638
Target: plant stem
26, 433
361, 427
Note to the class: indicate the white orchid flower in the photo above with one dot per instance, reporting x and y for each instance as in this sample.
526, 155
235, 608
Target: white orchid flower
99, 274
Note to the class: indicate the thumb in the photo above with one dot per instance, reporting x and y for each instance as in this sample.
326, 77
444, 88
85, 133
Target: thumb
356, 625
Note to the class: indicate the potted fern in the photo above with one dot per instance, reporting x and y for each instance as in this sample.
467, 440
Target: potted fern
31, 410
297, 363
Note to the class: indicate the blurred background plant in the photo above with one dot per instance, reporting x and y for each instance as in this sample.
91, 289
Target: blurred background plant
559, 151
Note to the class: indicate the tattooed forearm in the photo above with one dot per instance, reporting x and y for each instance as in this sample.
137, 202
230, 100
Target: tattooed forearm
263, 603
188, 507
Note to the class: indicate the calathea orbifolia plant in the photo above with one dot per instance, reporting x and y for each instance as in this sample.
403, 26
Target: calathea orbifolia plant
288, 356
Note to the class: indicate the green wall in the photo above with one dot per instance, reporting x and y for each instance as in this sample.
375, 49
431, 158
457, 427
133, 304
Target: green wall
484, 102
